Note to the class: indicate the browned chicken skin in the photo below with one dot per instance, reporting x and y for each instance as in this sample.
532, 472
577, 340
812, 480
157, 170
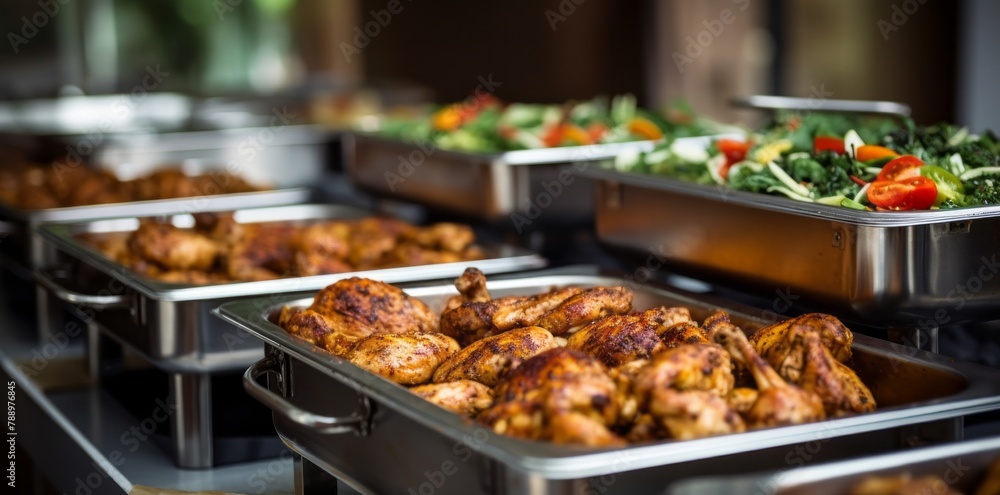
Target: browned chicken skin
619, 339
374, 307
464, 397
773, 342
683, 333
486, 360
778, 403
704, 367
690, 414
587, 306
841, 390
172, 248
471, 289
554, 383
407, 359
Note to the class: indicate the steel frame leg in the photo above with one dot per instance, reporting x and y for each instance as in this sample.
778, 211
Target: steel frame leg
192, 420
310, 479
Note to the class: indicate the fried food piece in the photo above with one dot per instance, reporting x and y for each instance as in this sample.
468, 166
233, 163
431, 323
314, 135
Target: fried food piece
450, 237
464, 397
172, 248
742, 399
368, 306
586, 306
486, 360
407, 359
471, 287
260, 251
773, 342
619, 339
575, 428
778, 403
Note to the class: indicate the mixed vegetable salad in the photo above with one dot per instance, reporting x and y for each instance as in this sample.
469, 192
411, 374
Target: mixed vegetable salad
484, 124
840, 160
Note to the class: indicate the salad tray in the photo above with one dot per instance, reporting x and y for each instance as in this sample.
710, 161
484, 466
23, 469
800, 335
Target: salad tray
961, 466
922, 269
529, 188
353, 424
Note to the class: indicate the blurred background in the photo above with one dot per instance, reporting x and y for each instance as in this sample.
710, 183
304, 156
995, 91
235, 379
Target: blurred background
938, 56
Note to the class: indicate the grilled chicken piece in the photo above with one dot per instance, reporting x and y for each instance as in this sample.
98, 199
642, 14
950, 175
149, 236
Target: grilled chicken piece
624, 377
370, 307
556, 382
258, 251
471, 288
841, 390
576, 428
409, 254
372, 238
464, 397
773, 342
713, 322
683, 333
474, 320
689, 367
486, 360
690, 414
991, 484
450, 237
619, 339
742, 399
172, 248
778, 403
407, 359
587, 306
322, 248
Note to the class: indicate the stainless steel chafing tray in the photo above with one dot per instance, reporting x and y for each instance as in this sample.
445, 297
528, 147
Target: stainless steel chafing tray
490, 186
316, 398
924, 268
962, 466
169, 322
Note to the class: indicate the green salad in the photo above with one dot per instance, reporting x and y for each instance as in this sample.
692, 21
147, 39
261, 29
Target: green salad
865, 164
484, 124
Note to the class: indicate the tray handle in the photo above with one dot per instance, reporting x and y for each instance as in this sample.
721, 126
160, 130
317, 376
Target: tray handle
47, 278
765, 102
359, 422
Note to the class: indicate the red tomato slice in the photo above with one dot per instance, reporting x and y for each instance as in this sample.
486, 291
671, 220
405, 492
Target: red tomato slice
553, 136
735, 151
596, 131
914, 193
828, 143
900, 168
871, 152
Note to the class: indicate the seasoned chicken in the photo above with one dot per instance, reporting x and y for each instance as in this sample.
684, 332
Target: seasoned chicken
553, 383
773, 342
587, 306
576, 428
486, 360
690, 414
473, 320
683, 333
471, 288
624, 377
742, 399
704, 367
464, 397
259, 251
451, 237
172, 248
841, 390
618, 339
778, 403
372, 238
322, 248
373, 307
407, 359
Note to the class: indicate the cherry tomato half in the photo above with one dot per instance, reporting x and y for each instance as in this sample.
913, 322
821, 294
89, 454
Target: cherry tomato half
900, 168
828, 143
914, 193
871, 152
735, 152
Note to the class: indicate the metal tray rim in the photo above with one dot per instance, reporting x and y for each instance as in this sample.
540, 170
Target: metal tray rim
529, 157
786, 205
567, 462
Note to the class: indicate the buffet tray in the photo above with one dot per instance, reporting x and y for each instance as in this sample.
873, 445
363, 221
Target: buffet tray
961, 466
487, 186
316, 397
170, 324
923, 268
